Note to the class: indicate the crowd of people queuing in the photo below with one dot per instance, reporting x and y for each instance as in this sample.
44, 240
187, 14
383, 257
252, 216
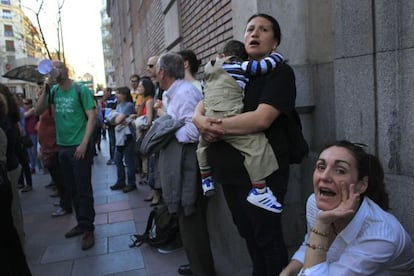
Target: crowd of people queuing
232, 134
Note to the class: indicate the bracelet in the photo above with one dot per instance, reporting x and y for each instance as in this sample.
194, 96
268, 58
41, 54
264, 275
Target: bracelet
317, 232
315, 247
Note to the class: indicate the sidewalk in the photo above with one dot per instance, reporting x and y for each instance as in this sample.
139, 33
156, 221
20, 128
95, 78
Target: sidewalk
118, 215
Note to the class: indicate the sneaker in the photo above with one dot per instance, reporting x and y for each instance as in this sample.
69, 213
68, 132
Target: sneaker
88, 240
264, 200
117, 186
208, 186
75, 231
129, 188
26, 189
60, 212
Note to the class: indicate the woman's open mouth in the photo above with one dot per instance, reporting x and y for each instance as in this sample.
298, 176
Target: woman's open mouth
326, 192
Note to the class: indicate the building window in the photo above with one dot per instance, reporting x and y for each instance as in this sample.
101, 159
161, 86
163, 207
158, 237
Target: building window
7, 14
8, 30
5, 2
10, 46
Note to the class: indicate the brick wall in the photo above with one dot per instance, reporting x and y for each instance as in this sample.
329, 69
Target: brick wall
205, 25
148, 32
138, 31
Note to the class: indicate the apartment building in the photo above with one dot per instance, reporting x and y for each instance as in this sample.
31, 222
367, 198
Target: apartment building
20, 44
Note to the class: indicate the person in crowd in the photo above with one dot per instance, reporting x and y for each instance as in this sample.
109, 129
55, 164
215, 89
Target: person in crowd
110, 104
125, 141
349, 231
191, 65
97, 136
267, 102
9, 125
151, 63
25, 178
153, 176
179, 173
49, 153
225, 80
13, 257
147, 89
75, 118
138, 100
31, 120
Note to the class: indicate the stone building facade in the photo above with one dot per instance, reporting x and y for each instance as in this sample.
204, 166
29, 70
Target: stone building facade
354, 67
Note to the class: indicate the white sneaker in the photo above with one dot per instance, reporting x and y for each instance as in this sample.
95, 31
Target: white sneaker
265, 200
208, 186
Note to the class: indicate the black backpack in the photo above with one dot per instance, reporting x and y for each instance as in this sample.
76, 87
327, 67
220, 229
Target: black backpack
162, 228
298, 147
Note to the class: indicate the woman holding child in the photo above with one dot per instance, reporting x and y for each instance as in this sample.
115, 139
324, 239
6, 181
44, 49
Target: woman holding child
268, 100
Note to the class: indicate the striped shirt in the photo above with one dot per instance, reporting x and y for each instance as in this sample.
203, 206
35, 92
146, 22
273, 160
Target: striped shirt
241, 71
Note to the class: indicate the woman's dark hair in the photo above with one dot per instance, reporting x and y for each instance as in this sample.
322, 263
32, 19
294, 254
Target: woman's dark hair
370, 166
149, 88
189, 56
11, 103
275, 25
125, 91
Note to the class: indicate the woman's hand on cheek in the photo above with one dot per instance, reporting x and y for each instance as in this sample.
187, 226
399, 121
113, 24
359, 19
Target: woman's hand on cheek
347, 207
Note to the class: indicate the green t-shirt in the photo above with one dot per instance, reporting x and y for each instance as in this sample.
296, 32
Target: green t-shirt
69, 115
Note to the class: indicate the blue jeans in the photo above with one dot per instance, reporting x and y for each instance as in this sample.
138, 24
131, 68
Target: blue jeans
77, 176
127, 151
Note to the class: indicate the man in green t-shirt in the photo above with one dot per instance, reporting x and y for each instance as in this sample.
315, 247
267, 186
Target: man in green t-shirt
75, 118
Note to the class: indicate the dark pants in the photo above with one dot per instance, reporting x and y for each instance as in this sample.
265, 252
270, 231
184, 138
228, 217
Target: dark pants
261, 229
128, 152
13, 260
111, 135
77, 175
54, 167
194, 234
23, 157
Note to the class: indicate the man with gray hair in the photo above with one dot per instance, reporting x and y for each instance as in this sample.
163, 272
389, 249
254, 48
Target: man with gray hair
178, 167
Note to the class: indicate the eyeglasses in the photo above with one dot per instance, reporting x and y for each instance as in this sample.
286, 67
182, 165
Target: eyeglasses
134, 80
150, 65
